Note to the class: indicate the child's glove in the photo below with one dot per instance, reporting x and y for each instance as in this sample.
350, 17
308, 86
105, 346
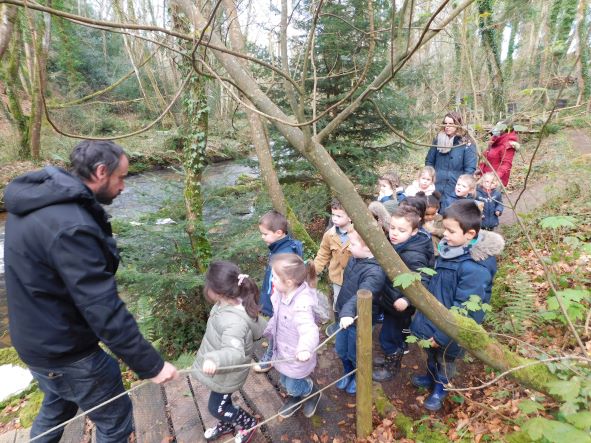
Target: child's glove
401, 304
209, 367
346, 322
303, 355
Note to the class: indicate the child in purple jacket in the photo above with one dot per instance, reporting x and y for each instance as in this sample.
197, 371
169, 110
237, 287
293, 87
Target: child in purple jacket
294, 331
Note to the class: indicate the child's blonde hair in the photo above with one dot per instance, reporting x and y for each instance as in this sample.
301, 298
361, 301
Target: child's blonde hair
292, 267
469, 180
430, 170
490, 176
392, 178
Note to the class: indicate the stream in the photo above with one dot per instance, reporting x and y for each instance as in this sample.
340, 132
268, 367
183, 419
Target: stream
145, 194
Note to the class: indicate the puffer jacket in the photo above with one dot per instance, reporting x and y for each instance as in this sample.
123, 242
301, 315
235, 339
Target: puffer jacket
471, 273
500, 153
360, 273
294, 329
416, 252
493, 202
229, 340
335, 254
450, 165
60, 263
286, 245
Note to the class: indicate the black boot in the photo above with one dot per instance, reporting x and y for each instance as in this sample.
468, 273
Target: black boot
390, 369
289, 407
311, 403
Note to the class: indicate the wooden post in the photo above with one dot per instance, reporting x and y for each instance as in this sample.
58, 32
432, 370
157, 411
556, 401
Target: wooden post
364, 363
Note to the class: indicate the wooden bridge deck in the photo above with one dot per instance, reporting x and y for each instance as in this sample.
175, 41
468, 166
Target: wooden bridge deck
177, 412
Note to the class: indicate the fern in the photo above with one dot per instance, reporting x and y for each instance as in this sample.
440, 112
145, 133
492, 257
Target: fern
516, 309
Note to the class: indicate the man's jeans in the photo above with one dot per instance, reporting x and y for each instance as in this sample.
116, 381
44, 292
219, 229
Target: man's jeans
83, 384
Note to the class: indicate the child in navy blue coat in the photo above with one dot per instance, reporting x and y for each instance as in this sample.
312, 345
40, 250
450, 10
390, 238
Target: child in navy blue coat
492, 199
273, 228
362, 272
465, 189
465, 267
416, 251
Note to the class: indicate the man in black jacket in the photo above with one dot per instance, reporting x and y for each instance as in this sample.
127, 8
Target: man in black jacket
60, 263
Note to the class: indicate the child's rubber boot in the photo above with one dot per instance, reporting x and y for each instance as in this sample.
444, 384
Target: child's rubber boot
435, 401
390, 369
311, 403
425, 381
289, 407
352, 386
344, 382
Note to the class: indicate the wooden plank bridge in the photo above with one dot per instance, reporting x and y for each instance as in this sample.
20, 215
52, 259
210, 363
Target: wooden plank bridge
177, 411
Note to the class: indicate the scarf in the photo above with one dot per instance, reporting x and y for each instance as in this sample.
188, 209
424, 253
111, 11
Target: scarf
444, 143
448, 252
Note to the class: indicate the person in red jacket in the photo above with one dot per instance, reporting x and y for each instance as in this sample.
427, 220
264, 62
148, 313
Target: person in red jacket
500, 152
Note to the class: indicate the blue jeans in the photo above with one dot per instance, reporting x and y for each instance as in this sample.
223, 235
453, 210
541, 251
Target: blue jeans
83, 384
391, 337
296, 387
346, 344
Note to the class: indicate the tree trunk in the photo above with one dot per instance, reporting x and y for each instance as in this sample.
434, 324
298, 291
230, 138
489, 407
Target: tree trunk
583, 78
41, 38
8, 15
260, 140
465, 331
194, 159
12, 88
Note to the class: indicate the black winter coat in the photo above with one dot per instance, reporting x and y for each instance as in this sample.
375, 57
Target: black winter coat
60, 263
416, 252
360, 273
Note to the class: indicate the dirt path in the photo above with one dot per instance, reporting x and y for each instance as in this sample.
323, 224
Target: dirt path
539, 192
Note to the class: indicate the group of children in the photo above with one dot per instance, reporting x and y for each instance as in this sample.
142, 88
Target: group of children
284, 310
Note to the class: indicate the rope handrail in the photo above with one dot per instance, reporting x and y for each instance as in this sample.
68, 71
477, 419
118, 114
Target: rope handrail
188, 371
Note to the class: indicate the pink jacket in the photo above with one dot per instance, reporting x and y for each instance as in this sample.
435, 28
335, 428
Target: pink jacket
293, 329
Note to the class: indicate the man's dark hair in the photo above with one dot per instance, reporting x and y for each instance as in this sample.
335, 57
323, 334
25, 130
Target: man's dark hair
466, 213
89, 154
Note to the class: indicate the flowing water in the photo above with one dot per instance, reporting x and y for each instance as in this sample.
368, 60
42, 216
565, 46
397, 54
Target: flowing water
145, 194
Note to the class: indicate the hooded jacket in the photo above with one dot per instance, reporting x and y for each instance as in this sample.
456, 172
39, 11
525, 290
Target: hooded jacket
456, 280
286, 245
500, 153
294, 330
416, 252
492, 202
450, 165
229, 340
360, 273
60, 263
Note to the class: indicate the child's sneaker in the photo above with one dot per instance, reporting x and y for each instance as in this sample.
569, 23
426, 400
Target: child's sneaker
290, 407
245, 435
218, 430
262, 365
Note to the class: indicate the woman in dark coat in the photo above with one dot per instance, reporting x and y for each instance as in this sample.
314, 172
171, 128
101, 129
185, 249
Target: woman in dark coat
453, 153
